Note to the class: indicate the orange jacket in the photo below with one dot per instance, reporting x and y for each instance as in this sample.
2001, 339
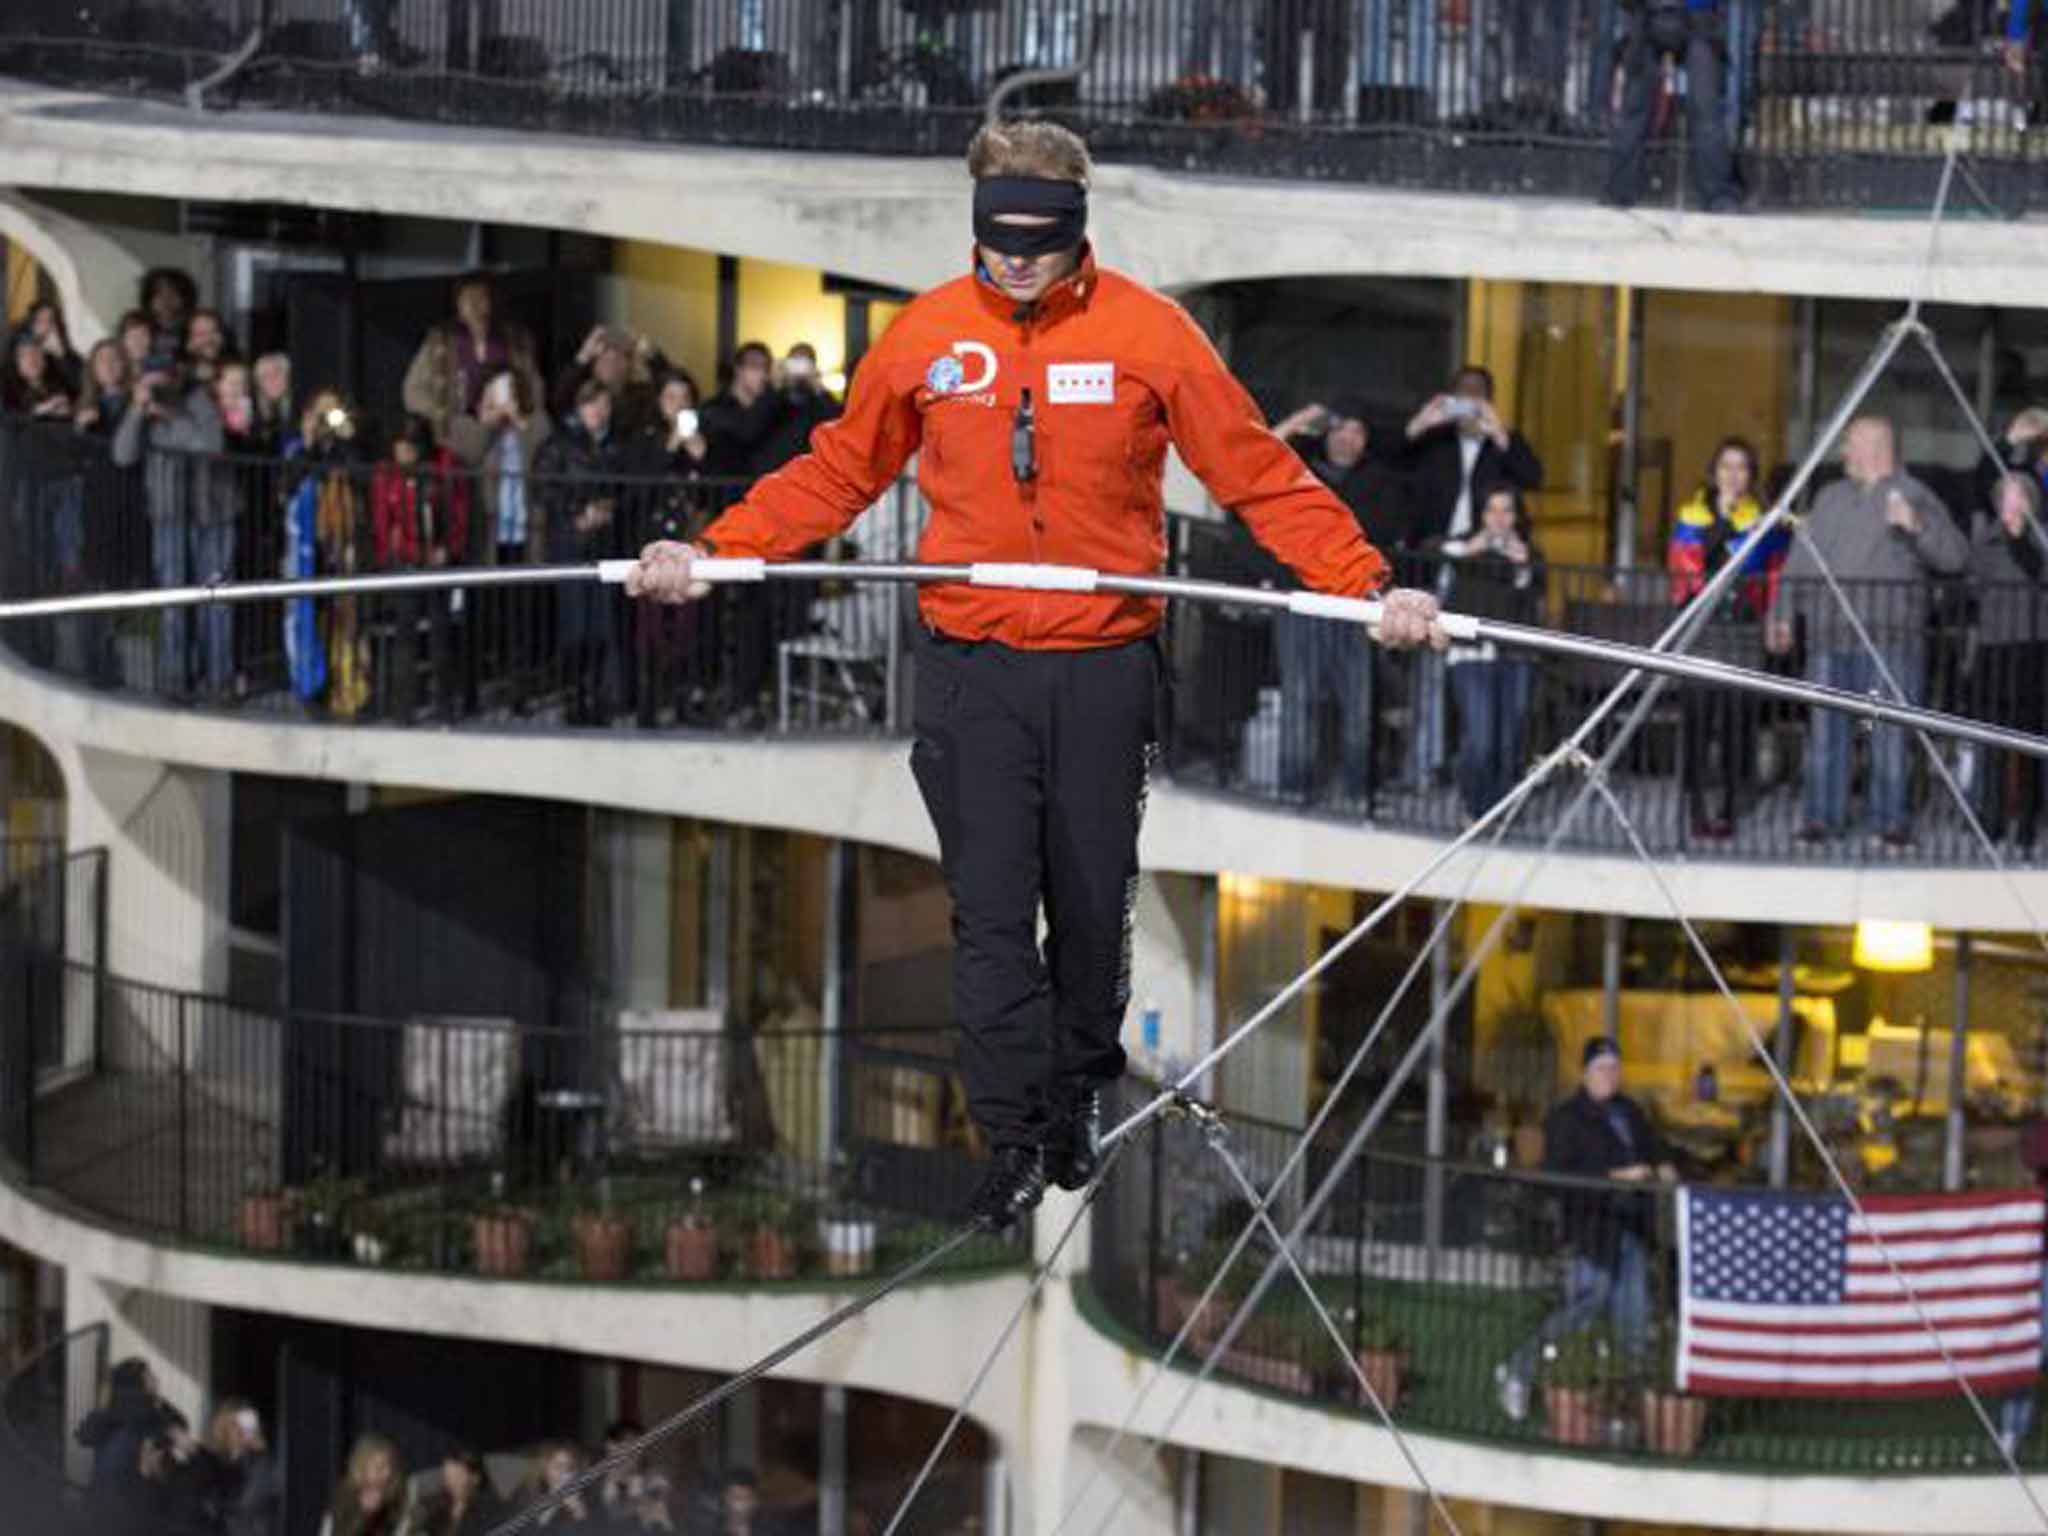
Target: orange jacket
1114, 371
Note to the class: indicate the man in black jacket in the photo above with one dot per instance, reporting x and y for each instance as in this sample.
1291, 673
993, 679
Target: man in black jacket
1598, 1133
1693, 33
1456, 446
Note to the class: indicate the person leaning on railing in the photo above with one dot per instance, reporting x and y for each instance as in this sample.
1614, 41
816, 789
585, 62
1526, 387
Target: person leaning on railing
1599, 1133
1881, 533
1495, 572
1720, 724
173, 428
2009, 673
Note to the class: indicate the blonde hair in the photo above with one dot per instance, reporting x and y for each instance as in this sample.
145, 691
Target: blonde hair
1030, 148
2028, 489
223, 1435
545, 1452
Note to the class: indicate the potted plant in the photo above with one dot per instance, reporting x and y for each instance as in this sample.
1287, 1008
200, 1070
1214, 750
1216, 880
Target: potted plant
1381, 1354
501, 1235
262, 1217
1674, 1421
604, 1240
689, 1247
770, 1246
1575, 1373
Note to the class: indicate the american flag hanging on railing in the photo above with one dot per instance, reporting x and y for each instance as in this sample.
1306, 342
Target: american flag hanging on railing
1787, 1295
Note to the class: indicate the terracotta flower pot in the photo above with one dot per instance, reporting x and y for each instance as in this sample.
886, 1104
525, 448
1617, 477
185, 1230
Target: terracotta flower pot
1382, 1370
260, 1222
1175, 1303
770, 1255
604, 1244
1572, 1415
1673, 1423
504, 1243
690, 1253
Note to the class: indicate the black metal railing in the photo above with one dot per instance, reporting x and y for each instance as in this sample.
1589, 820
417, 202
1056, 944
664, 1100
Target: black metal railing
1448, 1279
1832, 102
39, 1404
1289, 711
630, 1151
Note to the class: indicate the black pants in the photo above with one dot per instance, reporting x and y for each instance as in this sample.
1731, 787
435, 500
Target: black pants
1033, 764
2010, 686
1720, 727
1700, 48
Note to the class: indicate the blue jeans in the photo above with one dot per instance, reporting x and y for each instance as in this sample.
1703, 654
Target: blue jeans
1320, 660
180, 556
1493, 711
2015, 1413
1619, 1287
1825, 803
1426, 733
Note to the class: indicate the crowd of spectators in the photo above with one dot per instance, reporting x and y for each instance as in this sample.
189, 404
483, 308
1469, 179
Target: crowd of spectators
240, 469
1448, 501
151, 1476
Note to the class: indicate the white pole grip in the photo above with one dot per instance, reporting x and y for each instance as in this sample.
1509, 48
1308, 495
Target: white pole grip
1366, 611
708, 568
1036, 578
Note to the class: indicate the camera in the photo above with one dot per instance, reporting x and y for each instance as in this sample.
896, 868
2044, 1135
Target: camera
167, 388
686, 422
1458, 408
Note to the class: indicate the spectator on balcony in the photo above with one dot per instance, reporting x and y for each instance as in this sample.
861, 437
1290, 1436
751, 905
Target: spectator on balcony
1598, 1133
2009, 676
1496, 572
806, 405
168, 296
632, 1500
371, 1499
465, 1504
419, 512
1336, 444
1455, 442
33, 384
207, 345
2025, 21
103, 397
138, 339
737, 1509
1321, 663
275, 418
248, 1487
457, 358
553, 1465
1694, 33
580, 468
626, 364
325, 534
44, 324
2022, 449
133, 1414
190, 1482
666, 501
499, 442
1721, 723
1881, 533
741, 418
173, 429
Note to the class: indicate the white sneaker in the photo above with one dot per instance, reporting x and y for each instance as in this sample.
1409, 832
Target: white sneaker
1513, 1393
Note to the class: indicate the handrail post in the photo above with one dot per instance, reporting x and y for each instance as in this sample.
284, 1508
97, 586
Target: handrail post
184, 1115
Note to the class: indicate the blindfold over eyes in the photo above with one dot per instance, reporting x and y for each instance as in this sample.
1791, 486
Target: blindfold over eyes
1063, 203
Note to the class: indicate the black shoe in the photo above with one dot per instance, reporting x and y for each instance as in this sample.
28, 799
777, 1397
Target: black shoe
1015, 1183
1073, 1138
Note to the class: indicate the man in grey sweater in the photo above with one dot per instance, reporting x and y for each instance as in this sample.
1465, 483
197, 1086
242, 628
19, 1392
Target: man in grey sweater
1883, 534
190, 500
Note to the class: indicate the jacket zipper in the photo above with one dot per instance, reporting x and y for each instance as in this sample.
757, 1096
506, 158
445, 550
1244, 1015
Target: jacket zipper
1027, 490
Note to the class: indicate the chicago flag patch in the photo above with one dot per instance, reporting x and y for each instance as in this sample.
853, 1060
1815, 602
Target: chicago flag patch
1080, 384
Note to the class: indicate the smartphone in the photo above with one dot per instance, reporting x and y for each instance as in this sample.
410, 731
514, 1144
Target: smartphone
686, 422
500, 392
1458, 408
248, 1421
798, 366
